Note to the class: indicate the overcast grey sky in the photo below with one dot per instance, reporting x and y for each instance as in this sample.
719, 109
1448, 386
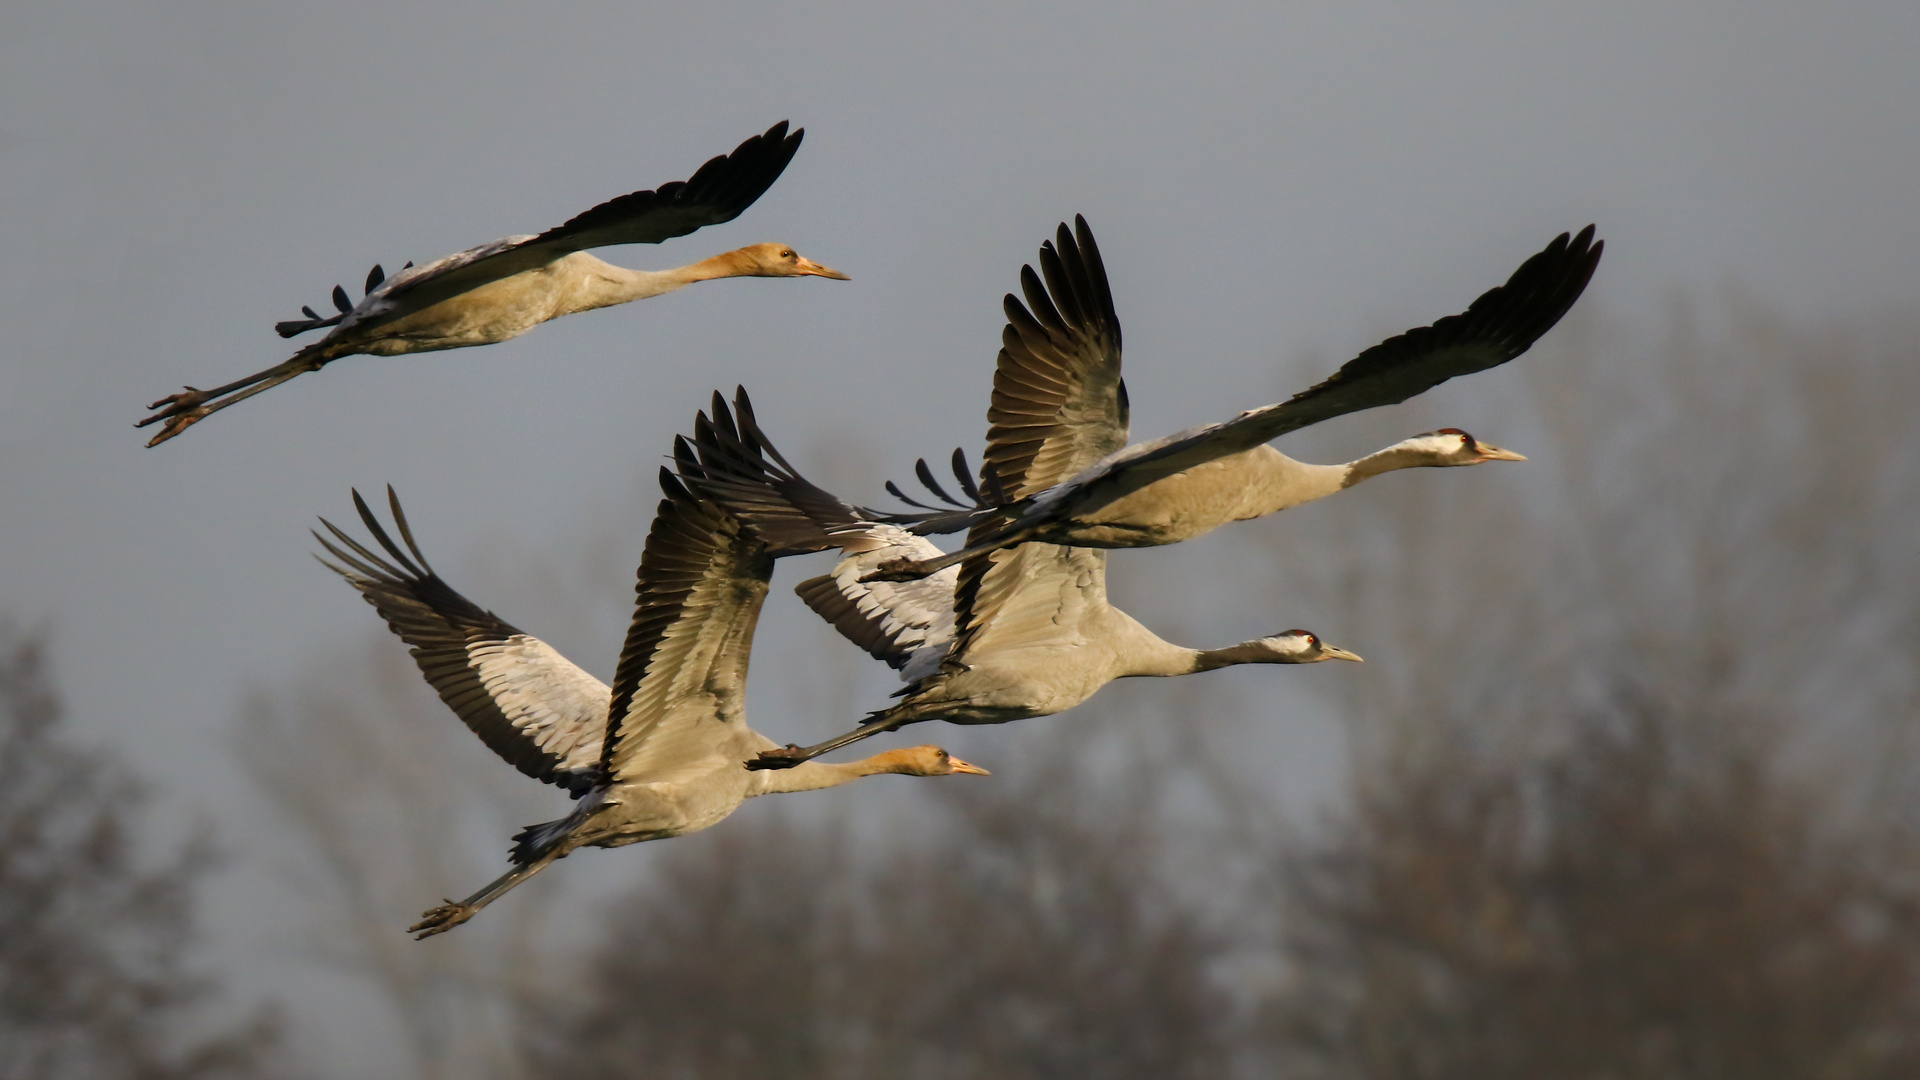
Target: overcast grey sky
1274, 186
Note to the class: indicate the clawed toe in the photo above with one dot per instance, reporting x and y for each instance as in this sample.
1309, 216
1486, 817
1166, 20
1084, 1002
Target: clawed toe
785, 758
187, 398
180, 412
441, 919
176, 423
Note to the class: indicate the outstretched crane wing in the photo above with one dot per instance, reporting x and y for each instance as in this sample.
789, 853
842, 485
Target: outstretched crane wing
1058, 403
528, 703
679, 691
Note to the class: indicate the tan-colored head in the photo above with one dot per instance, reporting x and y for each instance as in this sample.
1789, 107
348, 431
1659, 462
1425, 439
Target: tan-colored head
1451, 446
924, 761
780, 260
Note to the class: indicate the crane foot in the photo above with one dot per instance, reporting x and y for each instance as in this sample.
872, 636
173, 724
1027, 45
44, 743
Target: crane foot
441, 919
180, 411
785, 758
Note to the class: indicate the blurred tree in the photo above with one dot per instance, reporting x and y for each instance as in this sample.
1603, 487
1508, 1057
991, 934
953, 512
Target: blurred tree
93, 978
1652, 901
388, 803
1635, 798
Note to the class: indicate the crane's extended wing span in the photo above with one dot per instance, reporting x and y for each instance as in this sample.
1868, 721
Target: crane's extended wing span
1503, 323
678, 691
529, 704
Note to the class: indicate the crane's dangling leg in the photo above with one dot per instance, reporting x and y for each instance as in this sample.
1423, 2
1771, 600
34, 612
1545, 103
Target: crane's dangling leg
181, 411
790, 755
448, 915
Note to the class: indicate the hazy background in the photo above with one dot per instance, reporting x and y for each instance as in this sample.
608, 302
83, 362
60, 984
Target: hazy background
1273, 189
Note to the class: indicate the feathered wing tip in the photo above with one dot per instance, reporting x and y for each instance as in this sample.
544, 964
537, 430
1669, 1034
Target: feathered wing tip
313, 321
369, 566
1075, 295
717, 192
732, 465
1500, 325
1056, 405
739, 466
936, 520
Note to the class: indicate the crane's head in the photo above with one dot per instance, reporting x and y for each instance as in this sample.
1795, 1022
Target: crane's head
1300, 647
925, 761
780, 260
1451, 446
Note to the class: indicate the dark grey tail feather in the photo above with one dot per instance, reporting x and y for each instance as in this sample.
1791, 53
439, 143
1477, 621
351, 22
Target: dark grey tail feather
535, 841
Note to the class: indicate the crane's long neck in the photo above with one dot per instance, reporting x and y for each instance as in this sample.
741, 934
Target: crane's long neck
601, 284
1169, 659
1276, 482
1397, 456
1143, 653
814, 775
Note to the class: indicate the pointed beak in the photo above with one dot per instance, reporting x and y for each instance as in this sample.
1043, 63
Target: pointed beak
1489, 452
1335, 652
806, 266
967, 767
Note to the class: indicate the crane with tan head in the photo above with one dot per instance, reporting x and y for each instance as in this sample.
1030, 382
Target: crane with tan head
497, 291
656, 755
1010, 634
1058, 397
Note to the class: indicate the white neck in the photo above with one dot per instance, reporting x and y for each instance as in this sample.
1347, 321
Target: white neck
1276, 482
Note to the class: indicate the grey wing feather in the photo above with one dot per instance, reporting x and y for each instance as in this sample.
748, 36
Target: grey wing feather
678, 694
1058, 403
718, 192
1502, 324
529, 704
907, 624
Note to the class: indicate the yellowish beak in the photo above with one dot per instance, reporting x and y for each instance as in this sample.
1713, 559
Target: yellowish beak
1494, 453
1335, 652
967, 767
805, 266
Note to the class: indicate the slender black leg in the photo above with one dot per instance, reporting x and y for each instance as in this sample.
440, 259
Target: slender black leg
181, 411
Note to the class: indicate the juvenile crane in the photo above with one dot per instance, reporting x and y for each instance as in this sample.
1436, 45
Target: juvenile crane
1058, 397
500, 290
1012, 634
658, 754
